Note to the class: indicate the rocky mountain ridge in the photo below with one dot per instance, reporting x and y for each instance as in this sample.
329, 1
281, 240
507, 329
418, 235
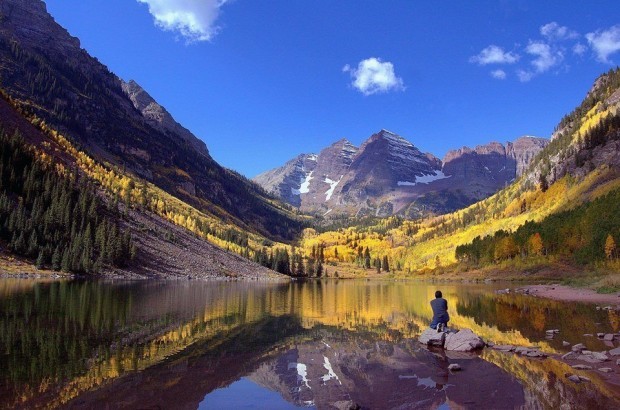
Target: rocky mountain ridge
389, 175
158, 117
43, 67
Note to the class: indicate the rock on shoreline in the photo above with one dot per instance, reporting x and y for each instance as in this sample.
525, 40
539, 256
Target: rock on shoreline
461, 341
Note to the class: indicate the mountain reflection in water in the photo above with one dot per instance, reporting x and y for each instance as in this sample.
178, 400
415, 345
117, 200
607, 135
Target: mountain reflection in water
315, 344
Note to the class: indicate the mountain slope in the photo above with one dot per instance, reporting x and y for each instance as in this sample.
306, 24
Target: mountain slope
389, 175
43, 67
287, 181
561, 195
169, 241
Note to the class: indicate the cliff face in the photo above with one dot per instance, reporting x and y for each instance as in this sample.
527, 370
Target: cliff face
506, 161
523, 150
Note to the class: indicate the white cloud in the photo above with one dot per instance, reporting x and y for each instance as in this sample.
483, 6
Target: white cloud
524, 76
579, 49
554, 32
604, 43
193, 19
498, 74
374, 76
545, 56
494, 55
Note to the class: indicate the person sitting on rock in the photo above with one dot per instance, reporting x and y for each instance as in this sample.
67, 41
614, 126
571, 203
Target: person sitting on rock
440, 312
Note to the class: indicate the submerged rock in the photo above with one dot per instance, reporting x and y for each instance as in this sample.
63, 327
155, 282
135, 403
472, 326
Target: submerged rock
463, 341
606, 369
504, 348
454, 367
573, 378
581, 367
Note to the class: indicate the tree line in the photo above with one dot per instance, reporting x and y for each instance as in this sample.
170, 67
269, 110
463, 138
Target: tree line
56, 217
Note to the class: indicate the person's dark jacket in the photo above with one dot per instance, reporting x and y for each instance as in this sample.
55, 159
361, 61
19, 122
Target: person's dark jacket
440, 310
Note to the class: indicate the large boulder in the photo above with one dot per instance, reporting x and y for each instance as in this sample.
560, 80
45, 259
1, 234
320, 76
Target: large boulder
431, 337
615, 352
463, 341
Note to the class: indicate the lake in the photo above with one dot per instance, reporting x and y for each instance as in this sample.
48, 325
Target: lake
316, 344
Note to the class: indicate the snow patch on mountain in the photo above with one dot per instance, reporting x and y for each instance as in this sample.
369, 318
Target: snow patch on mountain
304, 188
425, 179
332, 186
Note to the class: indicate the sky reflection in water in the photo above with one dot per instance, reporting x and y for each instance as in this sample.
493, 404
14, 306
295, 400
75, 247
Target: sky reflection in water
315, 343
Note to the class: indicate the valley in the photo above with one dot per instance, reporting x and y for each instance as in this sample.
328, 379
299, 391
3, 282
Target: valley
523, 205
139, 271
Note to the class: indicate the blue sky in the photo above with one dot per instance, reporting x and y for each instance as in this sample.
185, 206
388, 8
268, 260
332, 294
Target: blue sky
262, 81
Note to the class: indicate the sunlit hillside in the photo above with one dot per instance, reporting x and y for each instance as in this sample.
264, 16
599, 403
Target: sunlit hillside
125, 191
577, 167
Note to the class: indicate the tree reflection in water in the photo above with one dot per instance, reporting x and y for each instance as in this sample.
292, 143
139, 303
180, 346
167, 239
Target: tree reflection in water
142, 344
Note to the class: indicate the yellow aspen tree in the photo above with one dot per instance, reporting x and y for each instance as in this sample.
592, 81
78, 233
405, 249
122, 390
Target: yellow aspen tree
536, 244
610, 247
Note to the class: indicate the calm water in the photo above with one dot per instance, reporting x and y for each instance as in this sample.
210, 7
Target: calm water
218, 345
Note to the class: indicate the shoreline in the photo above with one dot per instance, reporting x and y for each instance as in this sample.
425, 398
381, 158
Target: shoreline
540, 282
570, 294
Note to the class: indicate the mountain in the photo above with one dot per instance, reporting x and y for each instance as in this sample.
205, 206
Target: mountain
287, 181
389, 175
558, 213
162, 205
159, 118
482, 171
44, 68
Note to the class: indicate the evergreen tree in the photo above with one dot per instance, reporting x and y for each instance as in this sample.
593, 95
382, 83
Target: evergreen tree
367, 258
310, 267
542, 182
56, 259
65, 264
42, 211
40, 260
385, 265
300, 267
